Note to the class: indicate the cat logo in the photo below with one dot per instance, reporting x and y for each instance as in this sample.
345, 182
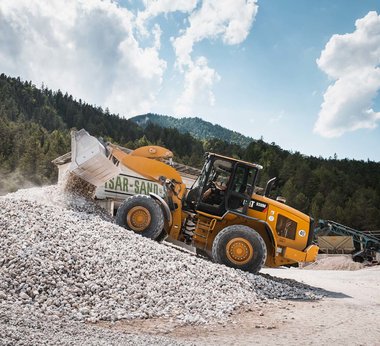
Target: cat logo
258, 206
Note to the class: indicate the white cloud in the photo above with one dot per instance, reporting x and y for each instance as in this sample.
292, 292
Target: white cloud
109, 56
352, 60
277, 117
156, 7
228, 20
199, 80
85, 47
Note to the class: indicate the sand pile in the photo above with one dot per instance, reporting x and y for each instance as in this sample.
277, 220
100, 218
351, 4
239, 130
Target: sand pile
340, 262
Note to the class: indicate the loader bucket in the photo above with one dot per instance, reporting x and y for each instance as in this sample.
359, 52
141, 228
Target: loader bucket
89, 159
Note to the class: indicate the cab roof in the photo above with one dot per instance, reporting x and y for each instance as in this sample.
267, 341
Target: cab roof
255, 165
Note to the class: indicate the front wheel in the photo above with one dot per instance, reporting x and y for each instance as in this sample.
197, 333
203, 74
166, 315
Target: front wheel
239, 247
162, 236
202, 253
141, 214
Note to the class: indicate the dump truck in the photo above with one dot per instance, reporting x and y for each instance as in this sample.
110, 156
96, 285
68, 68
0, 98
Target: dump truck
221, 214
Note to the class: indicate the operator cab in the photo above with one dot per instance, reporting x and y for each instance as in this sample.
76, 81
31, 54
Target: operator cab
225, 184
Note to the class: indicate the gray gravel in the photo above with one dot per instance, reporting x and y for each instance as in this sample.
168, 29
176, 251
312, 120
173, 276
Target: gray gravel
20, 326
63, 263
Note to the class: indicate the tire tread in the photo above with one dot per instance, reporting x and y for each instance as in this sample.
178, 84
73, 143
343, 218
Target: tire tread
216, 247
155, 228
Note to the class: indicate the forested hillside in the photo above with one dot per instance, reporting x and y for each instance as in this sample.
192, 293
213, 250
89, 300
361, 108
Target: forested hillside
199, 128
35, 125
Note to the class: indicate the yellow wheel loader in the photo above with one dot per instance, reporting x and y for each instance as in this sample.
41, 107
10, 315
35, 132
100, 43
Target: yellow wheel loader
220, 215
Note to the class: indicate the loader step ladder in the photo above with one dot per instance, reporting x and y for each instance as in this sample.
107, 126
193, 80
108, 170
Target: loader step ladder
366, 240
203, 229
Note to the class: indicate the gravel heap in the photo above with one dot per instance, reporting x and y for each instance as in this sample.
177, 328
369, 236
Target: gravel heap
19, 326
64, 261
336, 262
72, 193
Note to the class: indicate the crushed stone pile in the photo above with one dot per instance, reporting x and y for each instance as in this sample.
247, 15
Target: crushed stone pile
342, 262
18, 327
61, 259
72, 193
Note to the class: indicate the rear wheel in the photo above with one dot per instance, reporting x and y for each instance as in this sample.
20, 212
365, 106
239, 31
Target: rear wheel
141, 214
240, 247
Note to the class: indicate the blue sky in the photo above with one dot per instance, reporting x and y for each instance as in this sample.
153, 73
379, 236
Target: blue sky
302, 74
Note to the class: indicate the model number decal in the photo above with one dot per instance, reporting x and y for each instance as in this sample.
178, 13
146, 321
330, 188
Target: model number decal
257, 205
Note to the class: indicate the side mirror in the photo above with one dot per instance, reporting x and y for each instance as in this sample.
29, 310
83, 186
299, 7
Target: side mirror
269, 186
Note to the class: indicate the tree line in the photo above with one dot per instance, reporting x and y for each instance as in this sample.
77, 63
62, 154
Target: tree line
35, 128
200, 129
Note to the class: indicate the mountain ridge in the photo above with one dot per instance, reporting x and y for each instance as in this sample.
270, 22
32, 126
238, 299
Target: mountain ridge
197, 127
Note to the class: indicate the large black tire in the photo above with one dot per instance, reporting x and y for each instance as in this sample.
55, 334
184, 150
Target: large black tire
240, 247
141, 214
202, 253
162, 236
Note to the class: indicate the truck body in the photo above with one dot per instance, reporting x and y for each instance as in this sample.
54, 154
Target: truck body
127, 183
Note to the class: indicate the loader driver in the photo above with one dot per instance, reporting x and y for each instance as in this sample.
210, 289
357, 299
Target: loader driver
215, 193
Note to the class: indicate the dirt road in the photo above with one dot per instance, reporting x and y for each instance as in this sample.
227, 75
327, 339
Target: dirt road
348, 315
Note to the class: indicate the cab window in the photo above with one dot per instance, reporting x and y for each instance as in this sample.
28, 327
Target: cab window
241, 188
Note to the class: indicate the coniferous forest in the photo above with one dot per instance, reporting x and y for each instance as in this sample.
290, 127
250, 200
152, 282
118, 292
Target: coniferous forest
35, 128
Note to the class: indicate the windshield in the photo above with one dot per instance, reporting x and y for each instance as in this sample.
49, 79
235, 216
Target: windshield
202, 177
220, 173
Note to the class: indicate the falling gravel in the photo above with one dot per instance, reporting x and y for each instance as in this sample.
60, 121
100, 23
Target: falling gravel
62, 259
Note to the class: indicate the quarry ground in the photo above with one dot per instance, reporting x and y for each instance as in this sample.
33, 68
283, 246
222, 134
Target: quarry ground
348, 315
67, 272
